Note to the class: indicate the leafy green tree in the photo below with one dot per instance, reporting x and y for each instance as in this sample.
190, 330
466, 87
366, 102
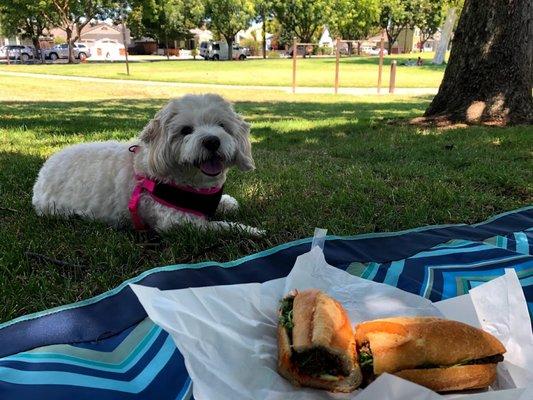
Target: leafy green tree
265, 14
228, 17
428, 16
25, 18
354, 19
397, 15
72, 16
303, 19
164, 20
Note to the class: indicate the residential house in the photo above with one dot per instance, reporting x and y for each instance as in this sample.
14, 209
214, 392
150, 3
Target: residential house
254, 32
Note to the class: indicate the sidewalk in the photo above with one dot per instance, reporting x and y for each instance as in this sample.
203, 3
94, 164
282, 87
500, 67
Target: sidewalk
287, 89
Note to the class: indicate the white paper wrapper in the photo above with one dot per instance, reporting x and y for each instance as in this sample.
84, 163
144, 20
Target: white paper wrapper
227, 334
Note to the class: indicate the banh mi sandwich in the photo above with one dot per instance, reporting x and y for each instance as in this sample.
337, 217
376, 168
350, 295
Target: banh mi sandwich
316, 343
439, 354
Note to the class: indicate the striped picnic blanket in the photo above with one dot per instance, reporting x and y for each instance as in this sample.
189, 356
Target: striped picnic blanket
105, 347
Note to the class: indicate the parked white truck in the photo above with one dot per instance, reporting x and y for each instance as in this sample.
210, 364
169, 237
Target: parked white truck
219, 51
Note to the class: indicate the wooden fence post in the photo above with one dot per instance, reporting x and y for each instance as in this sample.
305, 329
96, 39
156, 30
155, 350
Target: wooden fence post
294, 54
337, 56
124, 39
380, 68
392, 81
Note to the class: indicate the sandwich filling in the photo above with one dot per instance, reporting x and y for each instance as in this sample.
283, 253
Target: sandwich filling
366, 361
316, 362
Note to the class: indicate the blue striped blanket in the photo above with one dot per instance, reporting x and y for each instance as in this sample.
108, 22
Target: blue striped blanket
105, 347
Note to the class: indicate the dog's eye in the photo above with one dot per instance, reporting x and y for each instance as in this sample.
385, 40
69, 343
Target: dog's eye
221, 124
186, 130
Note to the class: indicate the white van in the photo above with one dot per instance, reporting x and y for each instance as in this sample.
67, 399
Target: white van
219, 51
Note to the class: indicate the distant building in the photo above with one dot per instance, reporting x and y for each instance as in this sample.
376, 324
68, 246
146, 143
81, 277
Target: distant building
408, 41
93, 32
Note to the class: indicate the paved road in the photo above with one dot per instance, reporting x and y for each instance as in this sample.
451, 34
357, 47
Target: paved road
287, 89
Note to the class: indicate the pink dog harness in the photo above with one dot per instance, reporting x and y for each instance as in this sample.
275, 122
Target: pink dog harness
200, 202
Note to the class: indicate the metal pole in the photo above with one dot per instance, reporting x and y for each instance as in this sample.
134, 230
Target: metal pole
124, 40
392, 81
294, 53
337, 56
380, 68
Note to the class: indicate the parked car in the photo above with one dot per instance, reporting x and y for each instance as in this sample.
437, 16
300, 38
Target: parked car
80, 51
219, 51
17, 52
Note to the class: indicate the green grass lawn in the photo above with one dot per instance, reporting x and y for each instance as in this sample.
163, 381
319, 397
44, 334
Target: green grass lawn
323, 161
354, 71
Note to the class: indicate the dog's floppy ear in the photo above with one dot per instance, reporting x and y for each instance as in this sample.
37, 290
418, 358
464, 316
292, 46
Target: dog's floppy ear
244, 160
151, 130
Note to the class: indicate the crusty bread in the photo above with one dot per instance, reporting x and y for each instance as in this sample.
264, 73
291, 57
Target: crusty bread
453, 378
319, 321
287, 369
406, 343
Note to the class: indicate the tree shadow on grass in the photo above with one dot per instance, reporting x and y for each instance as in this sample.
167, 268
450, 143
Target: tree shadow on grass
130, 115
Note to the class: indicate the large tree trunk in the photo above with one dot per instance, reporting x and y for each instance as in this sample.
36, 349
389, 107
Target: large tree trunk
489, 77
70, 43
445, 36
37, 45
229, 41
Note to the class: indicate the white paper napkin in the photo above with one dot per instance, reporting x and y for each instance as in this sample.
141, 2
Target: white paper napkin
227, 334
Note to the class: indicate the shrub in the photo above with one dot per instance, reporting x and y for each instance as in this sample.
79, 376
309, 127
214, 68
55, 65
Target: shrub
325, 50
273, 54
253, 45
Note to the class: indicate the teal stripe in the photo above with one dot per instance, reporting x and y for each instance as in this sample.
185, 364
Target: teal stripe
371, 271
433, 253
502, 242
454, 243
130, 361
138, 384
427, 284
527, 281
186, 392
522, 244
230, 264
394, 272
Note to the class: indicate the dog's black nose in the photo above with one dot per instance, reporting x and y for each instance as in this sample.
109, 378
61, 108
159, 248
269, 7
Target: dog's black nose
211, 143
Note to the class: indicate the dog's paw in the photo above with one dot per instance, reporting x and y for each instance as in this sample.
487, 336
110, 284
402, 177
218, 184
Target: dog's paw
255, 232
227, 204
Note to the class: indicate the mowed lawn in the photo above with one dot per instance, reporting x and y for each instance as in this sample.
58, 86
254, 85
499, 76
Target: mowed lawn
354, 71
325, 161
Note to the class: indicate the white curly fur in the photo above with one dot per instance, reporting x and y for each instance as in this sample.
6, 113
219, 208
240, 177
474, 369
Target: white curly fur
95, 180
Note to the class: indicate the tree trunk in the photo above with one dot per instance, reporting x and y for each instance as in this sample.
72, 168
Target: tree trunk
489, 77
446, 33
70, 44
229, 41
37, 45
166, 46
390, 42
263, 18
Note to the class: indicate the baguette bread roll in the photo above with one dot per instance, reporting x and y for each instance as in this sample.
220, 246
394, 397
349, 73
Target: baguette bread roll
455, 378
406, 343
321, 332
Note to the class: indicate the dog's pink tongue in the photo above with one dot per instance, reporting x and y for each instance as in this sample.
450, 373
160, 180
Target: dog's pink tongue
212, 167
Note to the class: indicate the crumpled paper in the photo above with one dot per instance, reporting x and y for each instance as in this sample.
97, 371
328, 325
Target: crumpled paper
227, 334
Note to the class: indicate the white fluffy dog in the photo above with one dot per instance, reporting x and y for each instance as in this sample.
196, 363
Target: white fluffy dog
173, 174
